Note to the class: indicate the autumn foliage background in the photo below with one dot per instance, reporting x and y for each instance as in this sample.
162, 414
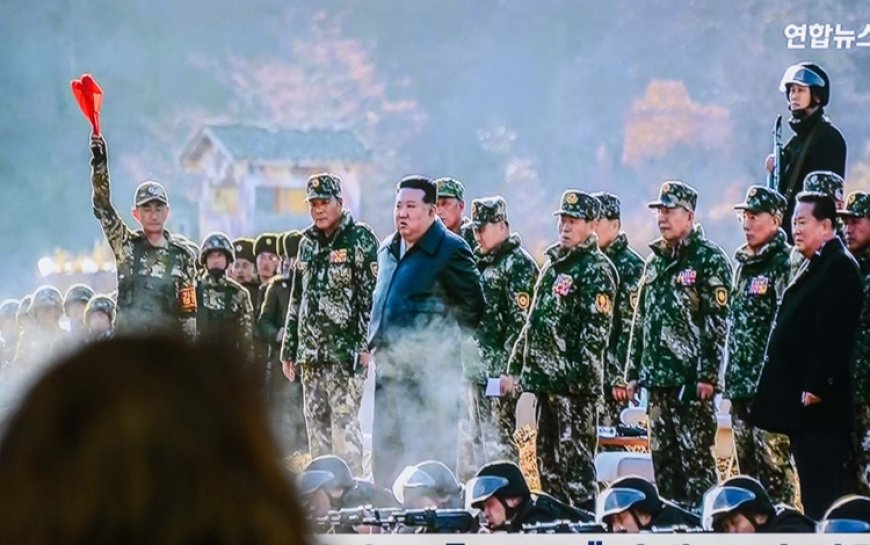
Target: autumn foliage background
521, 98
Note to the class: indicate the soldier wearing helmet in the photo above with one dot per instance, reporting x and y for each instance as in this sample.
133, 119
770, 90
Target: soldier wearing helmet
224, 306
500, 492
632, 504
817, 143
740, 505
327, 484
848, 515
44, 340
428, 485
8, 331
99, 317
77, 296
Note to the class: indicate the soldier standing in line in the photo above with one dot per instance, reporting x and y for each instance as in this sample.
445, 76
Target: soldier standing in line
677, 345
9, 332
508, 274
156, 273
560, 352
244, 270
100, 318
77, 296
269, 329
629, 267
759, 281
225, 312
328, 319
45, 340
451, 206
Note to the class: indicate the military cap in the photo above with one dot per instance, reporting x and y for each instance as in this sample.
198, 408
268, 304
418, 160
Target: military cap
46, 297
267, 242
488, 210
763, 199
857, 205
244, 249
449, 187
580, 205
9, 308
150, 190
291, 242
825, 182
675, 193
610, 205
323, 186
100, 303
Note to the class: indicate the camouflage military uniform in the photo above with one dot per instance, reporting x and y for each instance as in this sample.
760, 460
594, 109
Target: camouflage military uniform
327, 323
858, 482
42, 342
156, 285
270, 323
224, 310
453, 188
759, 281
508, 275
678, 340
560, 355
629, 267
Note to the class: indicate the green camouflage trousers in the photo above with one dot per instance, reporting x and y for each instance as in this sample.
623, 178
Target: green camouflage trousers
682, 434
333, 394
764, 455
486, 428
567, 444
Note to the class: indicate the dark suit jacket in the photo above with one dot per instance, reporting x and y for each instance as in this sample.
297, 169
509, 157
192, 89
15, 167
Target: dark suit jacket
435, 285
810, 347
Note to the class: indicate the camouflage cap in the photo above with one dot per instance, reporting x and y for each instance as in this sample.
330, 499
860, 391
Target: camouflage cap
244, 249
449, 187
762, 199
580, 205
610, 205
488, 210
857, 205
148, 191
77, 293
291, 242
267, 242
8, 309
825, 182
675, 193
323, 186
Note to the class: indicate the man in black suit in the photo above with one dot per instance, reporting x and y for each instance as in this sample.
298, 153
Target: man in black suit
428, 287
806, 387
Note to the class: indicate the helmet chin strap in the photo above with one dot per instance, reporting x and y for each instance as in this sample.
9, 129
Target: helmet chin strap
509, 512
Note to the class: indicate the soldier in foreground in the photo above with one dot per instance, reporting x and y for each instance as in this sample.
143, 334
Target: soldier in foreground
632, 504
560, 352
428, 485
224, 309
759, 282
678, 342
327, 484
156, 274
100, 318
740, 505
328, 319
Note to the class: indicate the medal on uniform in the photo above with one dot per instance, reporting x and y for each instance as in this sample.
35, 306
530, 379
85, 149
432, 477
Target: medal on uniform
562, 285
687, 277
759, 285
338, 256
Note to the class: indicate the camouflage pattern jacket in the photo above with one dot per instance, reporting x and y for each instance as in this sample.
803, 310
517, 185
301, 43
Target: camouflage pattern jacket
629, 267
759, 281
331, 299
508, 275
862, 344
224, 310
156, 286
678, 335
561, 348
466, 231
272, 313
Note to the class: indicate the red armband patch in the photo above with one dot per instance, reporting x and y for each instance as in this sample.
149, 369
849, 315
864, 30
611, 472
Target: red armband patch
187, 299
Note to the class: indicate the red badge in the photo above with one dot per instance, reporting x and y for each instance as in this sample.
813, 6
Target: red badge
187, 299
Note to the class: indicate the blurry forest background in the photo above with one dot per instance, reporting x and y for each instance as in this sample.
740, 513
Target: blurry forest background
524, 98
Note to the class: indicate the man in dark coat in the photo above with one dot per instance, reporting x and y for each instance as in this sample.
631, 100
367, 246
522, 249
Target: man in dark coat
427, 288
806, 387
817, 143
